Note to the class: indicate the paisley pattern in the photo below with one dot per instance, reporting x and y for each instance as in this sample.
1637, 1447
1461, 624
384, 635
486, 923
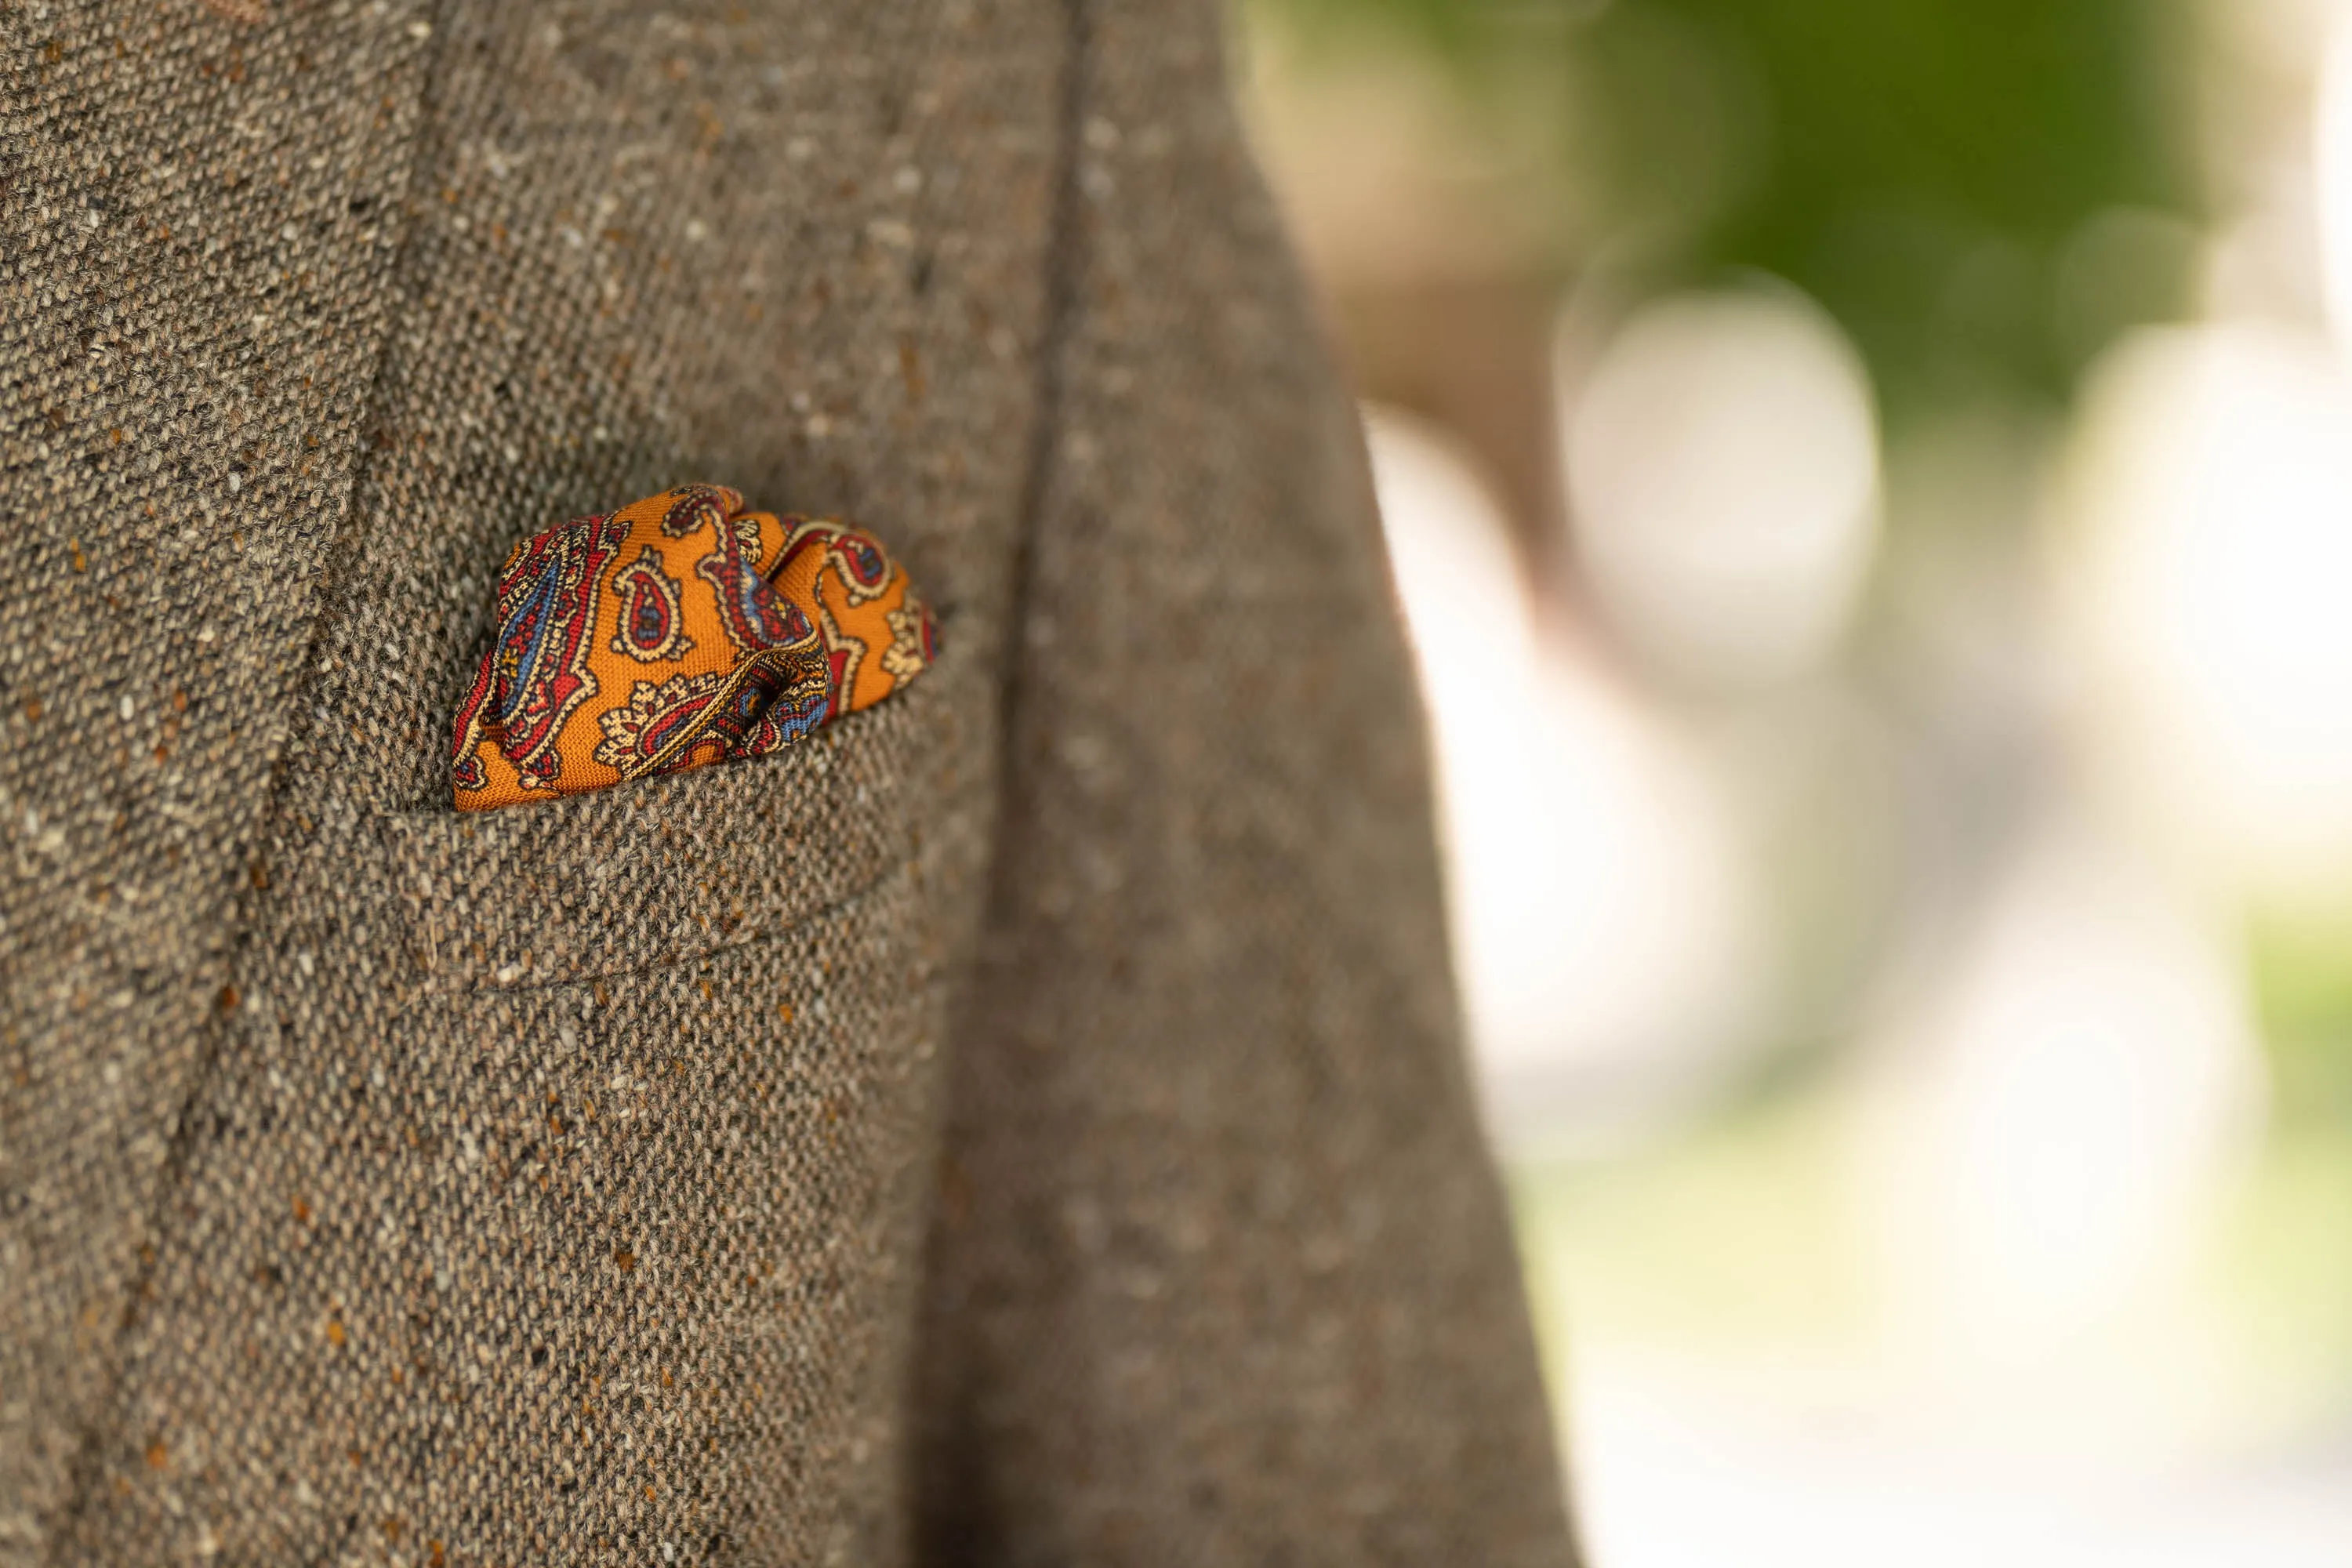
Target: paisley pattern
693, 719
748, 608
538, 671
680, 631
653, 613
692, 507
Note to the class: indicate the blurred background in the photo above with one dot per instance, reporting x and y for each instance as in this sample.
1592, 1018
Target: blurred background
1870, 483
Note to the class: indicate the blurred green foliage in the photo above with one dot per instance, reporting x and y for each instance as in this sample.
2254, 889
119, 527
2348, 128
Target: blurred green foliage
2303, 994
1984, 192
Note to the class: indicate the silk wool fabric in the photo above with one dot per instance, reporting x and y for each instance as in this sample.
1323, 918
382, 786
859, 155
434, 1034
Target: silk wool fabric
1020, 1124
679, 631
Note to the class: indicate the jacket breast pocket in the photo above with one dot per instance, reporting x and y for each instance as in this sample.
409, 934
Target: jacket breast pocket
669, 870
594, 1219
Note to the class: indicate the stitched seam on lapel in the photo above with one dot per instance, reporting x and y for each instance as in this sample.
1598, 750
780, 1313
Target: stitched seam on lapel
106, 1411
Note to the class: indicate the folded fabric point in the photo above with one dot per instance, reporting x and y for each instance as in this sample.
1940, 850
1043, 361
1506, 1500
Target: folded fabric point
679, 631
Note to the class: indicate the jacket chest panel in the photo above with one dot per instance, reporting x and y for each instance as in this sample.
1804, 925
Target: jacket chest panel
571, 1154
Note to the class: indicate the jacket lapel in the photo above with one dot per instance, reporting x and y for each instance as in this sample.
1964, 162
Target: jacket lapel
203, 207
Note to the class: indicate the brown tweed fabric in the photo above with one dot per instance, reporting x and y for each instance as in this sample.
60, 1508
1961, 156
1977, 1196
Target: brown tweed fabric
384, 1185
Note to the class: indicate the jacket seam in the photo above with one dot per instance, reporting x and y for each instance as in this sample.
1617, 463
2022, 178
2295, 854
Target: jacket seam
833, 909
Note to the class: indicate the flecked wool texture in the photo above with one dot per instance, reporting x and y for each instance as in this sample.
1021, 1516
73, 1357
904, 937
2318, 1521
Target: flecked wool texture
1022, 1123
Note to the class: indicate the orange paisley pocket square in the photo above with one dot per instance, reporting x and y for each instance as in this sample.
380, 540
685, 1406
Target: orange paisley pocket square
679, 631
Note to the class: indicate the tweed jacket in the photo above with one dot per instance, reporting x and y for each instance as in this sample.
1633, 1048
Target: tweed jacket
1023, 1123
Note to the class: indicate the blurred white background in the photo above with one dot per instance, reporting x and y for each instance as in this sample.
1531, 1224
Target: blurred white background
1900, 839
